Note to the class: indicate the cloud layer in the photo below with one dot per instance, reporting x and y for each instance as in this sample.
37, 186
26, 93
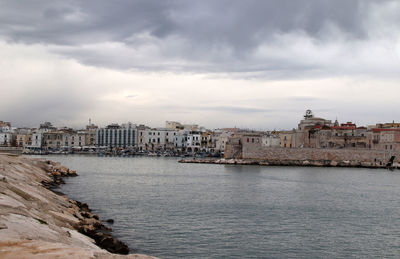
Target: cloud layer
253, 64
264, 38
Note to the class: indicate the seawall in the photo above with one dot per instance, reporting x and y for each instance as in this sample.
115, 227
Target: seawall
312, 156
36, 222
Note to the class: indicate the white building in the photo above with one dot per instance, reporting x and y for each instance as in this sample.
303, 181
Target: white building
115, 136
159, 138
221, 138
193, 142
37, 140
7, 139
180, 139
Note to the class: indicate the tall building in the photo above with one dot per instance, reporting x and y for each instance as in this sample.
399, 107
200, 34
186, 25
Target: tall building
116, 136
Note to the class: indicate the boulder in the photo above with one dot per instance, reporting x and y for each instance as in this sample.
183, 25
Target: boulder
306, 162
112, 245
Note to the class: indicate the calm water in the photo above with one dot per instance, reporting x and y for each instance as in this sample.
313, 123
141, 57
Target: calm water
171, 210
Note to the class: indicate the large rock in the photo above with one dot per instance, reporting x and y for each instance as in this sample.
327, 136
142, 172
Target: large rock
38, 223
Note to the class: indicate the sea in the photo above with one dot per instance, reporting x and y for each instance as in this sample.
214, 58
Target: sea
168, 209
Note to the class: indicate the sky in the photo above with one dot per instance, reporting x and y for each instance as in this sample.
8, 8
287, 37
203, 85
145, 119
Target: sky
256, 64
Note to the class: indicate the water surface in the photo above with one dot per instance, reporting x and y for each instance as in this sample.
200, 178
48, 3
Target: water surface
172, 210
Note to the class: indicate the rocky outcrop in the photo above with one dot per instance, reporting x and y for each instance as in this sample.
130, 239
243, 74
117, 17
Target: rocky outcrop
36, 222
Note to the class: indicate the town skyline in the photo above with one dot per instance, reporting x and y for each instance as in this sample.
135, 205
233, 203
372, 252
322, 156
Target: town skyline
89, 121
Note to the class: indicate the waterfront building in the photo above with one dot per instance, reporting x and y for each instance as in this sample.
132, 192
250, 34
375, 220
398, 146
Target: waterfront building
386, 138
221, 138
53, 140
24, 137
193, 141
288, 137
271, 140
207, 144
116, 136
37, 140
8, 139
74, 140
142, 132
90, 136
180, 140
24, 140
301, 137
159, 139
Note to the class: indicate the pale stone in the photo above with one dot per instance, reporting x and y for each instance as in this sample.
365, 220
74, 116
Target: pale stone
37, 223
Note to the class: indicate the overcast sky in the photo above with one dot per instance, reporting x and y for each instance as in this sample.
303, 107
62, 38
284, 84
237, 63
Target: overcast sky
250, 64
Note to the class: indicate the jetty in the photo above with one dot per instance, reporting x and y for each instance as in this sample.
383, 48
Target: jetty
36, 222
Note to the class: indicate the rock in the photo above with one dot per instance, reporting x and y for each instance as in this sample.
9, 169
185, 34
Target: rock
317, 163
333, 163
86, 214
64, 170
306, 162
114, 246
366, 164
55, 173
110, 221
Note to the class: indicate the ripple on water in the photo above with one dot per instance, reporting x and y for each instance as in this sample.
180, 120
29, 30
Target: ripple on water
173, 210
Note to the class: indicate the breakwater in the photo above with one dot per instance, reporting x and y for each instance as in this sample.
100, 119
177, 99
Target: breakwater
292, 162
37, 222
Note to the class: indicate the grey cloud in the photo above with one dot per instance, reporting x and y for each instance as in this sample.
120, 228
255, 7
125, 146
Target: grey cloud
194, 36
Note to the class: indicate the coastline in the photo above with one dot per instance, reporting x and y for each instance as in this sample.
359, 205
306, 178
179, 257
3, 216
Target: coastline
36, 221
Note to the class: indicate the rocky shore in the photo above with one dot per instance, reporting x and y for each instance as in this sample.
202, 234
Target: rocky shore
314, 163
36, 222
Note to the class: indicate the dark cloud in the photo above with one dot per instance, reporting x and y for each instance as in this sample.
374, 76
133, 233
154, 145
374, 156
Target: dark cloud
237, 23
178, 35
